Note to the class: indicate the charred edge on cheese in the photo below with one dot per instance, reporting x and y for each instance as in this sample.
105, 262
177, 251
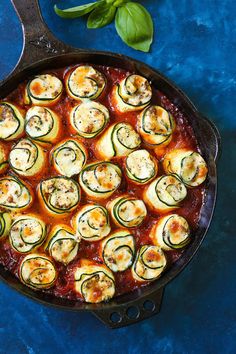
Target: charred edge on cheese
27, 233
118, 140
11, 121
37, 271
59, 194
141, 166
118, 250
150, 262
26, 158
5, 224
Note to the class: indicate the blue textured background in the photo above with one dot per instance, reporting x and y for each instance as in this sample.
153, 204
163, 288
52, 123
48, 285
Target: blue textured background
195, 45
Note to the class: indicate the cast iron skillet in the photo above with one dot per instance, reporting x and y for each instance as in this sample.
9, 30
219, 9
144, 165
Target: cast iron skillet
41, 50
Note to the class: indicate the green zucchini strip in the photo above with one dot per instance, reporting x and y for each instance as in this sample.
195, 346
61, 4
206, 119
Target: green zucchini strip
85, 82
62, 245
43, 89
91, 222
14, 194
59, 194
127, 211
156, 125
42, 124
141, 166
69, 157
94, 282
11, 121
118, 250
27, 233
132, 93
37, 271
118, 140
149, 263
188, 165
5, 224
101, 179
3, 159
26, 158
171, 232
165, 193
89, 119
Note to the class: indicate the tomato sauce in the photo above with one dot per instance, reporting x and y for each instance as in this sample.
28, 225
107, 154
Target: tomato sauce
190, 208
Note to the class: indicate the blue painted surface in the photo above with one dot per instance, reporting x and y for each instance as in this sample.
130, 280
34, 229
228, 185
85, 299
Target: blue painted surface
195, 45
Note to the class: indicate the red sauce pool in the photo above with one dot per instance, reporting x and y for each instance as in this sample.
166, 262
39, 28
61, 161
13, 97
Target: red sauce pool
190, 209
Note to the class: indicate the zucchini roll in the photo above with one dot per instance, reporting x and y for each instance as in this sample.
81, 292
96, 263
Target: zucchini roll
127, 211
59, 195
43, 90
156, 126
37, 271
11, 121
14, 193
5, 224
26, 158
89, 119
3, 159
95, 282
118, 250
69, 157
149, 263
42, 124
99, 180
171, 232
27, 233
85, 82
133, 93
62, 245
118, 140
165, 193
189, 165
141, 166
91, 222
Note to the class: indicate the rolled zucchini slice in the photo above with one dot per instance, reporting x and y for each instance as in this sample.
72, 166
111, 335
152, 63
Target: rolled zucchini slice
15, 194
171, 232
43, 90
99, 180
156, 126
118, 250
133, 93
165, 193
95, 282
3, 158
5, 224
150, 262
141, 166
85, 82
37, 271
62, 245
127, 211
27, 233
91, 222
59, 195
89, 119
26, 158
42, 124
11, 121
69, 157
189, 165
118, 140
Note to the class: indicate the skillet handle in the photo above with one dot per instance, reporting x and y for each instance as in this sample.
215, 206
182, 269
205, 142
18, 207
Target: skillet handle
38, 41
132, 312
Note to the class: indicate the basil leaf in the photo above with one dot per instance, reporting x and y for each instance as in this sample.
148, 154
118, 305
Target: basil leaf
101, 16
77, 11
134, 25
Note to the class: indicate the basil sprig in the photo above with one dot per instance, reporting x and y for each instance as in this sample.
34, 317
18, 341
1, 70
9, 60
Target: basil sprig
133, 22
